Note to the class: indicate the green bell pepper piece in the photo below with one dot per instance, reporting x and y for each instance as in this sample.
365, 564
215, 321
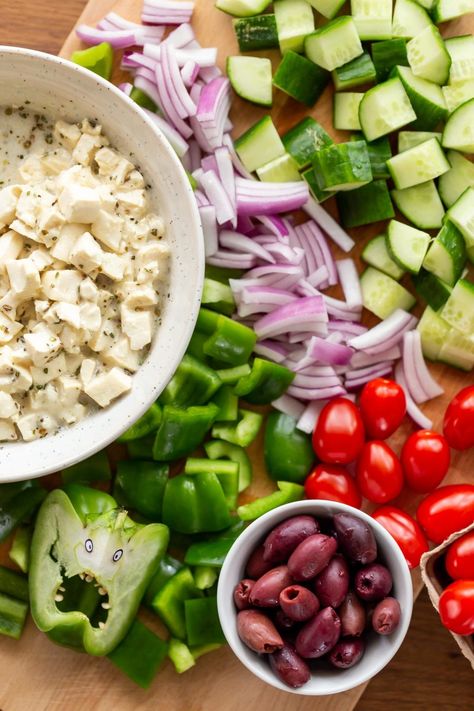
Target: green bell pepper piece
192, 180
140, 654
167, 567
266, 382
217, 449
202, 622
195, 504
18, 502
226, 471
140, 485
218, 297
12, 616
98, 59
288, 452
143, 100
230, 342
196, 346
222, 274
19, 552
200, 649
228, 404
288, 493
168, 602
212, 553
243, 432
13, 584
180, 655
204, 576
181, 431
193, 384
230, 376
141, 448
95, 468
207, 321
147, 424
79, 536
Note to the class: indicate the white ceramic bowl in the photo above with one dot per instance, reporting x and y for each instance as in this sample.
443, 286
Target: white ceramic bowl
64, 90
379, 650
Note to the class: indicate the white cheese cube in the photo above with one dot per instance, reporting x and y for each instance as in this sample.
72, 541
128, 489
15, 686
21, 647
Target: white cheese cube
74, 414
122, 355
86, 254
72, 339
41, 307
112, 165
56, 161
85, 149
62, 285
42, 346
8, 328
26, 231
90, 316
138, 326
133, 201
14, 378
108, 229
88, 290
106, 387
8, 201
11, 245
8, 406
43, 399
41, 258
152, 261
108, 201
9, 303
24, 277
20, 355
141, 297
7, 431
87, 372
62, 311
52, 370
28, 426
94, 129
79, 204
68, 236
69, 389
67, 133
50, 219
31, 170
105, 337
113, 266
133, 181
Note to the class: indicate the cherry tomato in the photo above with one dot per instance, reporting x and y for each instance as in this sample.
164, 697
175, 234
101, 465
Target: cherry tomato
383, 406
459, 559
406, 532
459, 420
332, 483
456, 607
338, 437
446, 510
379, 473
425, 459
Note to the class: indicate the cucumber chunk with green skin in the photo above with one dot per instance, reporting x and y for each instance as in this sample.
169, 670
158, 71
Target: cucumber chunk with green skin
379, 153
319, 195
461, 51
457, 94
433, 331
382, 295
424, 162
428, 56
445, 10
377, 255
259, 144
373, 18
384, 109
426, 99
370, 203
360, 71
409, 19
387, 55
258, 32
328, 8
421, 205
334, 44
410, 139
346, 111
295, 20
343, 166
459, 308
457, 350
300, 78
434, 291
446, 256
242, 8
459, 130
452, 184
461, 214
251, 78
304, 139
283, 169
407, 246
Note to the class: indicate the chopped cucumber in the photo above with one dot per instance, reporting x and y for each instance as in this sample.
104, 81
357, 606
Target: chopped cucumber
283, 169
328, 8
379, 153
373, 18
334, 44
457, 94
421, 205
301, 79
259, 145
384, 109
343, 166
258, 32
360, 71
377, 255
461, 51
461, 214
459, 129
433, 331
447, 254
445, 10
453, 183
387, 55
382, 295
434, 291
251, 78
409, 19
428, 56
346, 111
426, 98
319, 195
304, 139
242, 8
295, 20
459, 308
370, 203
418, 165
410, 139
407, 246
458, 350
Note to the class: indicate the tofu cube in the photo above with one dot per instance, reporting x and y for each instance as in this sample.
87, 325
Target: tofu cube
86, 254
138, 326
24, 277
107, 229
8, 202
62, 285
42, 346
8, 406
79, 203
108, 386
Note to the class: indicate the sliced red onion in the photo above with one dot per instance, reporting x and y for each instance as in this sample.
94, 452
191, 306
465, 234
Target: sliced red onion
167, 12
177, 141
254, 198
167, 105
241, 243
134, 60
318, 277
318, 243
319, 394
310, 416
314, 382
285, 254
358, 373
209, 73
177, 91
118, 39
328, 352
209, 228
292, 317
254, 294
218, 197
204, 57
362, 360
356, 383
231, 260
298, 240
328, 224
349, 280
289, 406
274, 224
346, 328
246, 310
181, 36
271, 349
226, 174
201, 199
266, 239
145, 73
385, 334
244, 224
209, 163
412, 409
126, 87
420, 384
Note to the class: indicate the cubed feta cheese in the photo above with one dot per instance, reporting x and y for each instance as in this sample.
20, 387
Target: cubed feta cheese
8, 406
8, 328
133, 181
79, 204
108, 229
11, 245
56, 161
112, 165
87, 372
105, 337
62, 285
68, 236
8, 201
24, 277
86, 148
50, 219
74, 414
138, 326
69, 389
90, 316
62, 311
152, 261
42, 346
7, 431
52, 370
133, 201
31, 170
14, 378
113, 266
86, 254
67, 133
72, 339
41, 258
121, 354
141, 297
106, 387
88, 290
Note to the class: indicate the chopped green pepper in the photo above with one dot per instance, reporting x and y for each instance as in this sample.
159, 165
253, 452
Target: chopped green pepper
243, 432
201, 649
12, 616
228, 404
222, 274
98, 59
218, 297
202, 622
212, 553
180, 654
140, 485
140, 654
142, 99
217, 449
195, 504
288, 451
193, 384
148, 423
230, 342
266, 382
226, 471
181, 431
13, 584
204, 576
288, 492
19, 552
18, 502
168, 602
230, 376
141, 448
196, 346
95, 468
167, 567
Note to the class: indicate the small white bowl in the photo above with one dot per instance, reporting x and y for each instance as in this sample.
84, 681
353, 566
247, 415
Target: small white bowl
61, 89
379, 650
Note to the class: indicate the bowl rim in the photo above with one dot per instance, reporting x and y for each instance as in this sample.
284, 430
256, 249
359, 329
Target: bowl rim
43, 464
264, 524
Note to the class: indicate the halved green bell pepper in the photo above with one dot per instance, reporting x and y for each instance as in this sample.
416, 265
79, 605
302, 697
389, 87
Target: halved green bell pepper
195, 504
288, 492
289, 455
193, 384
218, 449
140, 485
205, 576
242, 432
148, 423
181, 431
266, 382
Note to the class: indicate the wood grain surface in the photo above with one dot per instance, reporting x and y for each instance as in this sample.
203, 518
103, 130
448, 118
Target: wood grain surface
428, 672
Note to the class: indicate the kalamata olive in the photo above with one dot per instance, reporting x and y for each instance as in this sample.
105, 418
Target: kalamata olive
258, 632
332, 583
282, 541
347, 652
298, 603
355, 538
266, 590
289, 667
256, 565
386, 616
373, 582
242, 592
283, 622
311, 556
353, 616
319, 635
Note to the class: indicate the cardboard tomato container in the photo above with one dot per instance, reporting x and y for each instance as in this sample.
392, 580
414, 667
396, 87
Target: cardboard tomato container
436, 580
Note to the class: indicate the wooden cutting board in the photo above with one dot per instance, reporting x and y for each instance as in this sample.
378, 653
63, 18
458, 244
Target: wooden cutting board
40, 676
